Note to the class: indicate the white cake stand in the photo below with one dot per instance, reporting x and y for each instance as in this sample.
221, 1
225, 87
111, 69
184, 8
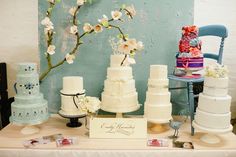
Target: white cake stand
211, 136
159, 125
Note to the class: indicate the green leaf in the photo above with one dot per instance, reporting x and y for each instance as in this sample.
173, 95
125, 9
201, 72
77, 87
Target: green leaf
123, 6
105, 23
49, 10
58, 1
120, 36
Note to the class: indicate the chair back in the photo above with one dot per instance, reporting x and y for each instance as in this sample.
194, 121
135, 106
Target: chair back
218, 31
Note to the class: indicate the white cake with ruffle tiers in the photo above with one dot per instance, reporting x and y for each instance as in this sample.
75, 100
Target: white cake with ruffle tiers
157, 107
213, 111
119, 95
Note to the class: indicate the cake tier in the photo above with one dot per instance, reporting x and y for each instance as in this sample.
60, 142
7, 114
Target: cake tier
29, 114
69, 108
158, 98
116, 60
189, 63
73, 85
214, 104
119, 73
119, 87
158, 113
27, 84
27, 68
211, 120
122, 104
158, 71
28, 100
158, 85
215, 86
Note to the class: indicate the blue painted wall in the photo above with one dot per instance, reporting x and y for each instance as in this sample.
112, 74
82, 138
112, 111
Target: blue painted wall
157, 23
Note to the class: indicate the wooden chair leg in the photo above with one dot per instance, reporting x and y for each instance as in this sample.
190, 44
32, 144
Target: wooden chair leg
191, 104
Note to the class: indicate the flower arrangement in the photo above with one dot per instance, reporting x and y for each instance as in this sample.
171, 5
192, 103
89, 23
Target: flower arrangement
190, 45
90, 105
216, 71
126, 45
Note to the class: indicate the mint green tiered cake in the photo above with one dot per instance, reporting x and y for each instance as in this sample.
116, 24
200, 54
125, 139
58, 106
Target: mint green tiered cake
29, 106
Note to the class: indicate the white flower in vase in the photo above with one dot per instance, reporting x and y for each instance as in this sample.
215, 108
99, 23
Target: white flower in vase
116, 15
72, 11
130, 11
51, 49
104, 21
87, 27
73, 29
80, 2
98, 28
70, 58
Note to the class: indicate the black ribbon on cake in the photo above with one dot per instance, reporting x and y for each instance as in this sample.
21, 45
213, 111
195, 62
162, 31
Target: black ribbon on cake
74, 96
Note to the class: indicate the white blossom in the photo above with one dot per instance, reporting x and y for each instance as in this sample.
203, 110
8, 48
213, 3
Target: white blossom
51, 49
103, 20
125, 48
51, 1
72, 11
116, 15
131, 10
73, 29
70, 58
80, 2
87, 27
140, 46
98, 28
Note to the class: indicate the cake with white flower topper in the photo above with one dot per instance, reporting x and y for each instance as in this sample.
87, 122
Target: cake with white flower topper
119, 94
157, 108
29, 106
213, 111
189, 56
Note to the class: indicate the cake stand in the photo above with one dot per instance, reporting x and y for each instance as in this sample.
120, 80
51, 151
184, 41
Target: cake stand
160, 125
74, 119
211, 134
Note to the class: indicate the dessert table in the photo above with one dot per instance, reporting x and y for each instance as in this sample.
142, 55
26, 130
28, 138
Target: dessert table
11, 143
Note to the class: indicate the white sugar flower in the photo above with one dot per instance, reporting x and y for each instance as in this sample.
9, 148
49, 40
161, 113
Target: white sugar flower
131, 60
73, 29
116, 15
92, 104
80, 2
140, 46
72, 11
87, 27
130, 11
104, 20
51, 49
47, 22
70, 58
98, 28
125, 48
132, 43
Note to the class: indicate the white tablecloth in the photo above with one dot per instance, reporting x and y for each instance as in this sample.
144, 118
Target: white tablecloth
11, 144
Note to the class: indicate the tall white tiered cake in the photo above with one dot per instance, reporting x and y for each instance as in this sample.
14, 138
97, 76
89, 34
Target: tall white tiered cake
29, 106
71, 94
119, 94
157, 108
213, 111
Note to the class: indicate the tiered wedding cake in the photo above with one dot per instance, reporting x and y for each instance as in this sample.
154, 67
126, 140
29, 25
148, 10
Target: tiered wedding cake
29, 106
119, 94
71, 94
213, 111
157, 106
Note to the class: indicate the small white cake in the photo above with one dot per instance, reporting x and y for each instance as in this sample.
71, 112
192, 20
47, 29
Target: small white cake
213, 111
157, 106
72, 86
119, 94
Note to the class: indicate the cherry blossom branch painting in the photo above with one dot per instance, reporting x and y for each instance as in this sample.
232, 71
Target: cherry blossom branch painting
125, 45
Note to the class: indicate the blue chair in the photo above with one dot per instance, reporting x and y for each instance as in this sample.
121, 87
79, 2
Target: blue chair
210, 30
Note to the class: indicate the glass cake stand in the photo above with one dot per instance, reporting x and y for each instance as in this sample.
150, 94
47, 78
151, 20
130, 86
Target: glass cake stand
74, 119
211, 134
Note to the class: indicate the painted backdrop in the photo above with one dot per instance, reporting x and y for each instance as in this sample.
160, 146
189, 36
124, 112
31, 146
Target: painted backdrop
157, 23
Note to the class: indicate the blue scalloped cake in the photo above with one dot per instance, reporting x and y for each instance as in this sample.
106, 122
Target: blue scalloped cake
29, 106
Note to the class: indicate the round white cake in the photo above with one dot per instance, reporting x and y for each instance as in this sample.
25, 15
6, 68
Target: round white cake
72, 89
119, 94
157, 107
